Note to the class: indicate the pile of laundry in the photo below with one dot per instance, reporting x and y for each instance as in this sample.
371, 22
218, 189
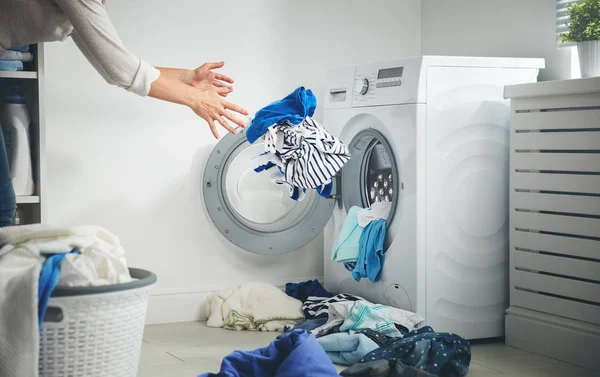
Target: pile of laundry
13, 58
373, 339
360, 244
298, 152
34, 260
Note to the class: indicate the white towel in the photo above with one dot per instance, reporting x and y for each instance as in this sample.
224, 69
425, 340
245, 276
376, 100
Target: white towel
19, 336
102, 259
379, 210
261, 306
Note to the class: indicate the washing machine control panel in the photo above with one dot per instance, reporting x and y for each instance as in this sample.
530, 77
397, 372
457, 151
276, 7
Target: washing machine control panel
386, 83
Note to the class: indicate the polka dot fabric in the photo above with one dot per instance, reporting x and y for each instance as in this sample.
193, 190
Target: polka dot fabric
442, 354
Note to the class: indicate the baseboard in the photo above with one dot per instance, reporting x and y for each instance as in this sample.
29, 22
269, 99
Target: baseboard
187, 305
556, 337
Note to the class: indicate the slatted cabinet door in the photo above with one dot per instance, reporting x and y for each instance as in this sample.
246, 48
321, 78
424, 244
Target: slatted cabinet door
555, 214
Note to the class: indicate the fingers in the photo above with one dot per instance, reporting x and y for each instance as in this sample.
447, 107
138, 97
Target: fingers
233, 119
222, 77
234, 107
226, 125
223, 90
213, 128
215, 65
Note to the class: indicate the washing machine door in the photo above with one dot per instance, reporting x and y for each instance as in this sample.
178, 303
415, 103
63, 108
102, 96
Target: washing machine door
250, 210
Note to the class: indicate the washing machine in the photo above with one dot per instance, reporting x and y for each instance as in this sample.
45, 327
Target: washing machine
428, 134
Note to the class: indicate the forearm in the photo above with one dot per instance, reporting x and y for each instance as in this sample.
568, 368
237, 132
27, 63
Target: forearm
169, 88
183, 75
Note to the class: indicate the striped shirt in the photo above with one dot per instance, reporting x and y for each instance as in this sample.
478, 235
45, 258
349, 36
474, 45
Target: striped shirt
318, 307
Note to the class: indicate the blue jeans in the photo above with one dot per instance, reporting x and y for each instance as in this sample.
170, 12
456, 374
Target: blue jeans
8, 200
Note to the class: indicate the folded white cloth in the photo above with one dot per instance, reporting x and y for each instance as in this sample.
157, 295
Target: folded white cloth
253, 306
19, 336
379, 210
101, 260
16, 55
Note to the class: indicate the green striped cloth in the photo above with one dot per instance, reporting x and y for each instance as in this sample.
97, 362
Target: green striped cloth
366, 316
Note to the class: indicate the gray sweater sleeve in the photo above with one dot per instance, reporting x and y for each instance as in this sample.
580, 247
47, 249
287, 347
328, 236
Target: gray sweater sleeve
98, 40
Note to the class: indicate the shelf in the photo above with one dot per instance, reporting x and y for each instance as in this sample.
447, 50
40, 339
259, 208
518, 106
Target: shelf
18, 75
28, 199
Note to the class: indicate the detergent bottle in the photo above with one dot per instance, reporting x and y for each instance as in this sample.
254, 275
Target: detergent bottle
15, 126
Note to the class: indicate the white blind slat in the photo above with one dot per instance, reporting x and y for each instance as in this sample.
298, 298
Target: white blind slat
562, 19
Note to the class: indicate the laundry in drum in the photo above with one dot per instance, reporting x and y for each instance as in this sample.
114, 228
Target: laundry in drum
299, 152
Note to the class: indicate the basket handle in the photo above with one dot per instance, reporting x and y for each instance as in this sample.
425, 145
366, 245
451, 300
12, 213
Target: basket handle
54, 314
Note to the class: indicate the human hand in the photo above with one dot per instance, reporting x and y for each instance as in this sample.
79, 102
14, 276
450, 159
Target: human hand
205, 75
210, 106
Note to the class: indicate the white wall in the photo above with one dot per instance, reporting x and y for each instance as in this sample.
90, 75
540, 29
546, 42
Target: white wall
133, 164
519, 28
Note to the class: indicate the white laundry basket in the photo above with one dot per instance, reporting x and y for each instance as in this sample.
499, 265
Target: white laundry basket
95, 331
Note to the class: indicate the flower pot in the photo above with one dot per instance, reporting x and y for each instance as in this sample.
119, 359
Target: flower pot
589, 58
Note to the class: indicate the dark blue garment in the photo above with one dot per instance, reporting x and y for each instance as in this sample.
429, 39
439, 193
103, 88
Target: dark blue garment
384, 368
24, 48
441, 354
8, 200
295, 107
295, 354
49, 276
302, 291
371, 255
308, 325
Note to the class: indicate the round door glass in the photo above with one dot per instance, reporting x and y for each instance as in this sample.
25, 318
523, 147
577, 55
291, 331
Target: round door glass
254, 199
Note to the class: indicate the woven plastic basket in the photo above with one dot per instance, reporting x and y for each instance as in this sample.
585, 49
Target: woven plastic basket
95, 331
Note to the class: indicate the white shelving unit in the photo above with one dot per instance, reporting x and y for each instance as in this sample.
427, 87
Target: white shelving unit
555, 220
31, 82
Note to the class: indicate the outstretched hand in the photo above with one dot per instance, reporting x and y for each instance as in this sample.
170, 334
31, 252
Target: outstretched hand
204, 74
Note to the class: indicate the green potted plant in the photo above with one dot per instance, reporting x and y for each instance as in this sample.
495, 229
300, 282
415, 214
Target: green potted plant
584, 29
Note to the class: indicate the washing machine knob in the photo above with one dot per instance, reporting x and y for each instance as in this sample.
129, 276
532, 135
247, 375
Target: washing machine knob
362, 87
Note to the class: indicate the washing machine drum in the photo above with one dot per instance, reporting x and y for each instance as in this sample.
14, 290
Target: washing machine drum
259, 216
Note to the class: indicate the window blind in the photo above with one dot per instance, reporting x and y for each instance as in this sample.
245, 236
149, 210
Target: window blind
562, 19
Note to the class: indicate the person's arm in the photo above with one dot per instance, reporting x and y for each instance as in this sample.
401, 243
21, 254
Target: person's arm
208, 104
98, 40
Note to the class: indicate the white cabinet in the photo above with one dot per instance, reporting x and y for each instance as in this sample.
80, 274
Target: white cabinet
555, 220
31, 83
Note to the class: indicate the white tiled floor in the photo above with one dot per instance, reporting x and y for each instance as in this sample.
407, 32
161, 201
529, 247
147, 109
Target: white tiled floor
190, 349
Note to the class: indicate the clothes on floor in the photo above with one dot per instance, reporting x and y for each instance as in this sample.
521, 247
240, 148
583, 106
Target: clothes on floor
101, 260
318, 307
16, 56
49, 277
24, 48
346, 247
294, 108
384, 368
377, 211
19, 335
11, 65
302, 291
441, 354
366, 316
307, 325
371, 255
296, 354
346, 349
339, 311
377, 337
253, 306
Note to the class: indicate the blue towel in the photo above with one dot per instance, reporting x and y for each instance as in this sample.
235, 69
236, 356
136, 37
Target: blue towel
24, 48
295, 354
441, 354
295, 107
302, 291
371, 256
49, 276
11, 65
308, 325
347, 349
346, 247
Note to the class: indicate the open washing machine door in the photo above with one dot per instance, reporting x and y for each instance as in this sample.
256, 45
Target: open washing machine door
258, 215
250, 210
